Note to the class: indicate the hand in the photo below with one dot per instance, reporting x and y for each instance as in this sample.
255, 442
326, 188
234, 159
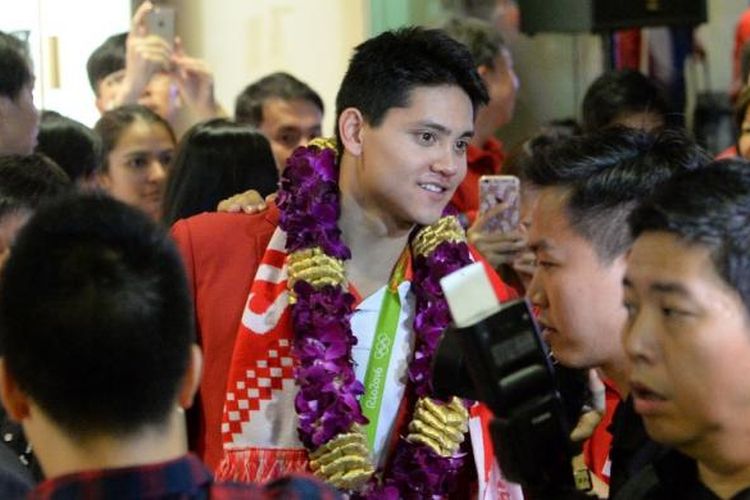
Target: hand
249, 202
592, 415
145, 55
498, 248
195, 82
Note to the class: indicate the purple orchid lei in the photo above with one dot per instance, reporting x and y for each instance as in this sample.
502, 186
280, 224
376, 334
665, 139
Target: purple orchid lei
328, 400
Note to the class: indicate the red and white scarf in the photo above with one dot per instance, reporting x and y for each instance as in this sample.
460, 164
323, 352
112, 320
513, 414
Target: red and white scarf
259, 423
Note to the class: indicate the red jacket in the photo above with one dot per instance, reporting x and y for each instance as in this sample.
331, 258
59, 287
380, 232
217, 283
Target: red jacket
221, 253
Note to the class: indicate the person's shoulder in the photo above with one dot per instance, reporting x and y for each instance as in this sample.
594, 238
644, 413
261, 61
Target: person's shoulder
216, 226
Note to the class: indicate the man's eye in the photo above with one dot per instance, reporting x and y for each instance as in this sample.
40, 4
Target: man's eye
672, 313
290, 138
426, 138
630, 307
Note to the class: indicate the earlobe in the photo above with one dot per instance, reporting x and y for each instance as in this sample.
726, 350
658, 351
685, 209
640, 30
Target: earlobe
191, 380
351, 123
14, 401
483, 70
100, 105
101, 179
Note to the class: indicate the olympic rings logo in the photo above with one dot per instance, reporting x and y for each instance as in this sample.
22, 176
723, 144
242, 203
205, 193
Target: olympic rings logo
382, 347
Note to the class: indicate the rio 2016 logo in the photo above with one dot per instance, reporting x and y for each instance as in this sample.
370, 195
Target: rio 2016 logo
381, 347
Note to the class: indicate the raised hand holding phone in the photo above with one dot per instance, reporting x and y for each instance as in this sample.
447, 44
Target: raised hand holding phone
505, 191
496, 233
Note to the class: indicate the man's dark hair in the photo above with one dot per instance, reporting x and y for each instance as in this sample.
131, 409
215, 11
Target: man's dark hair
607, 174
617, 93
28, 181
95, 316
15, 66
71, 144
482, 39
709, 207
385, 69
248, 108
215, 160
106, 59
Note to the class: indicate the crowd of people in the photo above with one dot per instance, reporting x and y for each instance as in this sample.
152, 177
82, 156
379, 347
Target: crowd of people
194, 305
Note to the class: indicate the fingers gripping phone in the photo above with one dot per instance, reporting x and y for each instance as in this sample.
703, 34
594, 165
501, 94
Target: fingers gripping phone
500, 189
160, 22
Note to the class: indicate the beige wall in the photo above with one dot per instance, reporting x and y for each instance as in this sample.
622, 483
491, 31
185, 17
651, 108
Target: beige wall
243, 40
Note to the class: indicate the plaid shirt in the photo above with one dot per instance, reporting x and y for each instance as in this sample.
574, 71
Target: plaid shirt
184, 478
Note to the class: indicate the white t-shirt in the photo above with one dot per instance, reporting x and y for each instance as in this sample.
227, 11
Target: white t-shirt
364, 321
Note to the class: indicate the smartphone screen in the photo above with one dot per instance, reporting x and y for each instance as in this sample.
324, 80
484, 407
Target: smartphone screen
505, 190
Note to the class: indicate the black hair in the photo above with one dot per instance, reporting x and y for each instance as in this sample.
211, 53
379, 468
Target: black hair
214, 161
114, 122
248, 108
616, 93
709, 207
71, 144
385, 69
482, 39
26, 182
15, 66
106, 59
608, 173
95, 316
521, 157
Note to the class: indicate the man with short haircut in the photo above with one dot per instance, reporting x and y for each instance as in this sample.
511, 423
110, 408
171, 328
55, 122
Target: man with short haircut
627, 98
98, 355
25, 183
19, 118
687, 333
494, 63
361, 204
286, 110
588, 187
142, 68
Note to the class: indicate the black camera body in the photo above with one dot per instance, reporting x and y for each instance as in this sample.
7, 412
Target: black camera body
502, 361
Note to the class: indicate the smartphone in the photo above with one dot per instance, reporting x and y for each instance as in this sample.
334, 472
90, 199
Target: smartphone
500, 189
160, 22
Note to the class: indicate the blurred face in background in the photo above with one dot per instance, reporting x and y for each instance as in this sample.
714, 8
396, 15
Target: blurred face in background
289, 124
137, 166
19, 122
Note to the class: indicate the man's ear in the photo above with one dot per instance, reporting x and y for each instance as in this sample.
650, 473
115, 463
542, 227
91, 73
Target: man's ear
192, 379
100, 104
483, 71
101, 179
15, 402
351, 123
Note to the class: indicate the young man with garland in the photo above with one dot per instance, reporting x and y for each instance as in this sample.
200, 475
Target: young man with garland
687, 334
357, 242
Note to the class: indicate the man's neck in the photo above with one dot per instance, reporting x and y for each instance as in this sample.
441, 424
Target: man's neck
60, 454
617, 373
375, 242
724, 481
